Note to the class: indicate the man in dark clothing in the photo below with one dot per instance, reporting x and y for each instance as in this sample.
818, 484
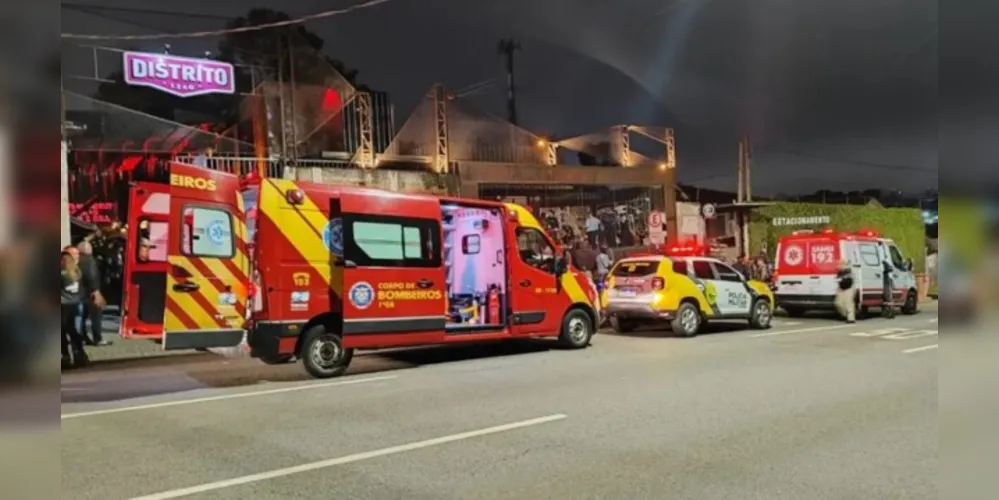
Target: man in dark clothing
92, 300
888, 307
742, 265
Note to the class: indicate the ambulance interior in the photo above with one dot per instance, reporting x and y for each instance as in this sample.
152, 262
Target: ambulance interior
475, 266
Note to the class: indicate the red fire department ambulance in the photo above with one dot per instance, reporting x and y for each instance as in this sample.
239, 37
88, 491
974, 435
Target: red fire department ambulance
318, 270
807, 261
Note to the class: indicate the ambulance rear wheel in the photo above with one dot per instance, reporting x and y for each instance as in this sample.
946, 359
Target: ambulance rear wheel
323, 354
577, 330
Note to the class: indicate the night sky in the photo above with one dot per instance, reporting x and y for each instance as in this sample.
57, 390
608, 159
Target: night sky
834, 94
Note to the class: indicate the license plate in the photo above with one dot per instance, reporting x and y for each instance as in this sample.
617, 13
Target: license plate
627, 293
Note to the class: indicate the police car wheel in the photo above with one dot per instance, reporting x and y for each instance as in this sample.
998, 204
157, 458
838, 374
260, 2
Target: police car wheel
911, 305
323, 353
762, 315
577, 330
688, 320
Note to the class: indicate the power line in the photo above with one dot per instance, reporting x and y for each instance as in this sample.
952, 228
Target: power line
859, 163
85, 7
203, 34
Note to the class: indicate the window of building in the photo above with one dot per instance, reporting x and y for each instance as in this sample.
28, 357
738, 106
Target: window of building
207, 232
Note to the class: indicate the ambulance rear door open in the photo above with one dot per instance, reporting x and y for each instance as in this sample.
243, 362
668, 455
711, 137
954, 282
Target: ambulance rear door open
394, 283
186, 264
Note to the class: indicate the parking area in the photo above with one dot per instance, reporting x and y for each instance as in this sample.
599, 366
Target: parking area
812, 408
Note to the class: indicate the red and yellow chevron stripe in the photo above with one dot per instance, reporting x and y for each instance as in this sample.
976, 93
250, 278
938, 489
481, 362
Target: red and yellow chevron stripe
202, 309
302, 228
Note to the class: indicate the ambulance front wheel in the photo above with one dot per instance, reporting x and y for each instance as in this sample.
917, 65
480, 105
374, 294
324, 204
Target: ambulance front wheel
911, 305
577, 330
323, 353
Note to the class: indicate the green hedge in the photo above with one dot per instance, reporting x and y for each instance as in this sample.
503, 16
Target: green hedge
903, 225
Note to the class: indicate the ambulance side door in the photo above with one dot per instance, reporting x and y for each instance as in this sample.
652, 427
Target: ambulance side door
394, 280
871, 282
537, 303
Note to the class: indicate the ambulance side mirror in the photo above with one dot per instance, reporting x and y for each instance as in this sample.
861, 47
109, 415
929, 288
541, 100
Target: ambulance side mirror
908, 265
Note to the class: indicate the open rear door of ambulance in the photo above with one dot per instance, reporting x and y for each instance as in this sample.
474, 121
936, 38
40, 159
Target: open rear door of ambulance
146, 261
195, 276
394, 283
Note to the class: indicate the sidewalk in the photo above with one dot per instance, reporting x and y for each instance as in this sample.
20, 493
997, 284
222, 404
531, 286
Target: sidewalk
127, 348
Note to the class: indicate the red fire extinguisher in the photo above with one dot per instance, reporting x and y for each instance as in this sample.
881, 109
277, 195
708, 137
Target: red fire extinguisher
493, 310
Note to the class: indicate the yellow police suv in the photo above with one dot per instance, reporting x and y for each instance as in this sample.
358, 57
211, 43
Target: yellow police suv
685, 291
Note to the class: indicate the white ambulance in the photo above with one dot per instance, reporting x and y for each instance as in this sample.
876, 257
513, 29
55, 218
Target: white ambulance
806, 263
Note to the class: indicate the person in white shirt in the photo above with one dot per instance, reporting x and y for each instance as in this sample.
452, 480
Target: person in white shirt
593, 227
604, 263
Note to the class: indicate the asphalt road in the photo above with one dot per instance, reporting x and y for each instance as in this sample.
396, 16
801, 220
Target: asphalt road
811, 409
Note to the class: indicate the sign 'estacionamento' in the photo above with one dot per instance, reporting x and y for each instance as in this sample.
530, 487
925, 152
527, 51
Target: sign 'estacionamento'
180, 76
801, 221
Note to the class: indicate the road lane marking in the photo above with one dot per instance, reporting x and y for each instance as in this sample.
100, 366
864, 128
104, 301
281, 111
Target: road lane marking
802, 330
920, 349
787, 323
223, 397
357, 457
934, 320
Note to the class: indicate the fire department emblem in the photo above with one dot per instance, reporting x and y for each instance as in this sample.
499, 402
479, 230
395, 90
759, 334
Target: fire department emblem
794, 255
333, 236
361, 295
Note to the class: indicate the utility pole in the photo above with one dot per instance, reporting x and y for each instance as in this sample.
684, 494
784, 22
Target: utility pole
745, 193
506, 48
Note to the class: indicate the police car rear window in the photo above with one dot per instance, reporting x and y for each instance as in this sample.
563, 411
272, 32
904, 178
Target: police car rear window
635, 268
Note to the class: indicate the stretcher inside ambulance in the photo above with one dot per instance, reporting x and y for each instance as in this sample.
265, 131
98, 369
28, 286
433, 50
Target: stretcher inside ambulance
337, 268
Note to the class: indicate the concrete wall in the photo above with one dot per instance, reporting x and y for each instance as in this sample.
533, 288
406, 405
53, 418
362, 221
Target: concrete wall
690, 220
392, 180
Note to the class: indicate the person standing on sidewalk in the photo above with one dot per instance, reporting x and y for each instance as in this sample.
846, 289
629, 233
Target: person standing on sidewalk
73, 353
845, 293
92, 299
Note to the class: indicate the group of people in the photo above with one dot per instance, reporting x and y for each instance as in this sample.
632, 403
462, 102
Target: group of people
756, 269
81, 302
592, 259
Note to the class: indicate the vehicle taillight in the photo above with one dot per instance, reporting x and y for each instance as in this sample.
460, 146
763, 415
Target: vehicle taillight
658, 284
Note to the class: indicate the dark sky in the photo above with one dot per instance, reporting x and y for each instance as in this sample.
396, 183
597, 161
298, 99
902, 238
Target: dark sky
835, 94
